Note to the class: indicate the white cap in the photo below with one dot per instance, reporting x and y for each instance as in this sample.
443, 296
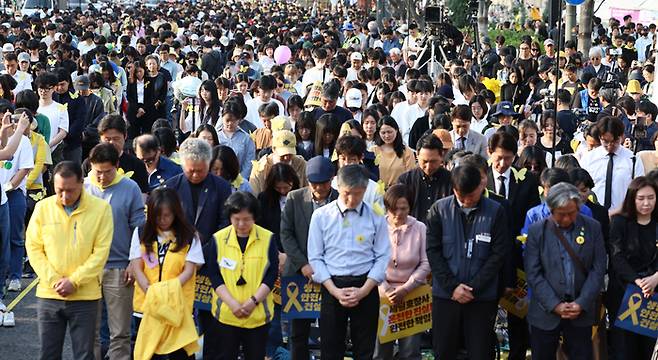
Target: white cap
378, 44
356, 56
8, 47
224, 40
353, 98
194, 37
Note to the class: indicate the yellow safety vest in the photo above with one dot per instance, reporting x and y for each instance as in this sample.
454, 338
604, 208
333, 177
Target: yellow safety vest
252, 265
172, 266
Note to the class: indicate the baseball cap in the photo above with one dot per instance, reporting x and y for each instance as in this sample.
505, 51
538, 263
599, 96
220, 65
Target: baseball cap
634, 87
356, 56
505, 108
284, 143
353, 98
8, 47
194, 37
23, 57
279, 123
549, 42
81, 83
319, 170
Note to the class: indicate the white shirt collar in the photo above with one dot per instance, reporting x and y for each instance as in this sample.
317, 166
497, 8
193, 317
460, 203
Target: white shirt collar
506, 174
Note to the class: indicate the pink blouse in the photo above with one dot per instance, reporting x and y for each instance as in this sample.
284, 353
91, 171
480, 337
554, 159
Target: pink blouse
408, 266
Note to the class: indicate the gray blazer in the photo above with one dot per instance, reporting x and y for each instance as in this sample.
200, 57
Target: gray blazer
475, 143
295, 221
545, 274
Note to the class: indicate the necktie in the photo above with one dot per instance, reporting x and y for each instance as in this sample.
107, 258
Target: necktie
608, 182
502, 191
462, 143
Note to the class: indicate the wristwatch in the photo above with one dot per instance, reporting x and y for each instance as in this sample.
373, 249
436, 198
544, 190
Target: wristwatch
253, 298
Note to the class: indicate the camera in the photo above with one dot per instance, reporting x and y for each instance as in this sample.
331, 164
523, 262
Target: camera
15, 118
616, 52
547, 92
433, 15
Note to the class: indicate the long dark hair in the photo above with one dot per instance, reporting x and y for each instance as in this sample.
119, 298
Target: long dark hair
398, 145
279, 172
230, 163
183, 230
210, 86
628, 208
327, 123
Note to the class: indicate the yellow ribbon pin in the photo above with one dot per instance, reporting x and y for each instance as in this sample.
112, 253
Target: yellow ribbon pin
292, 290
634, 303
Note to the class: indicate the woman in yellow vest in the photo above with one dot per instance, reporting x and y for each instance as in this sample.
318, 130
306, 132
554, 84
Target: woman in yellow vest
165, 248
242, 263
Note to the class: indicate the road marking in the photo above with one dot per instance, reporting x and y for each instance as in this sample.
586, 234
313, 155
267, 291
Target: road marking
22, 294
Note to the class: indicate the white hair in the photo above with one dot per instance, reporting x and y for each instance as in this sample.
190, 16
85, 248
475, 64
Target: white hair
596, 50
194, 149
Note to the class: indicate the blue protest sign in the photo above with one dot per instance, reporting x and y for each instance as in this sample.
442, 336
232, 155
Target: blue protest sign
574, 2
637, 313
300, 298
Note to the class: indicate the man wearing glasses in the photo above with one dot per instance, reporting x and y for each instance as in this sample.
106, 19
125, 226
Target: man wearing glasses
158, 167
525, 60
611, 164
595, 67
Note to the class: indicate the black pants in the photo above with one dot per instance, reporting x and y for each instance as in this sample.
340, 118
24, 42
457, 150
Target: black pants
210, 328
473, 321
577, 341
299, 334
519, 337
362, 320
253, 341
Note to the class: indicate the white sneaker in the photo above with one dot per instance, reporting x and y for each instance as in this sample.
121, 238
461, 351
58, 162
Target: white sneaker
14, 285
8, 320
3, 308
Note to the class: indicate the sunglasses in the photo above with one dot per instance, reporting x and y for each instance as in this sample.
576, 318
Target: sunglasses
534, 50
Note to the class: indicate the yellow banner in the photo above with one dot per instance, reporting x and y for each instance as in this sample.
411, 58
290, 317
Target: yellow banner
516, 302
412, 316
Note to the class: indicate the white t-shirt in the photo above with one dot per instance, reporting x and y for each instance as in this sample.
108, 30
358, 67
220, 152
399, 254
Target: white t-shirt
23, 159
252, 110
312, 75
23, 81
194, 255
58, 116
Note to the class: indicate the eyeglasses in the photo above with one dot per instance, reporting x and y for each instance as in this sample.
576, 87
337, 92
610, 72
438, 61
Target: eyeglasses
595, 58
279, 84
534, 50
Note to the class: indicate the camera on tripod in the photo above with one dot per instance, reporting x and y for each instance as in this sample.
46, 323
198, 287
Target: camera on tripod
435, 15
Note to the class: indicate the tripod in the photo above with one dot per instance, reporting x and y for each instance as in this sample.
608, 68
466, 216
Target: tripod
434, 68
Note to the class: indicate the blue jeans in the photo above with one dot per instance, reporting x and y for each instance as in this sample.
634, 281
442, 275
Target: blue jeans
17, 208
4, 245
274, 336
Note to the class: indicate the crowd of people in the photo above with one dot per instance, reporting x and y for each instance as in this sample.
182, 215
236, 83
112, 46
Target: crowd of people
149, 151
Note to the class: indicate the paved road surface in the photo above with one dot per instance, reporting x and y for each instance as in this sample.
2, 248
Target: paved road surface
22, 342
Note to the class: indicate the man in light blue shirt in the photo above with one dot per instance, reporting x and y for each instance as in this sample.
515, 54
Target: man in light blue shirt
349, 249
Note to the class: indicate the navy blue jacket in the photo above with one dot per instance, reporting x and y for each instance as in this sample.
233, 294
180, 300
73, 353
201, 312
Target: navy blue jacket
449, 240
545, 274
209, 215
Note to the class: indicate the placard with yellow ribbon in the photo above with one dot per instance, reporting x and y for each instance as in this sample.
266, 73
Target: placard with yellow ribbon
301, 298
516, 302
637, 313
412, 316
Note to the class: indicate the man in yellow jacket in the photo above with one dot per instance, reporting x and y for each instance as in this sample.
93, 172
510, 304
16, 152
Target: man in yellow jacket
68, 242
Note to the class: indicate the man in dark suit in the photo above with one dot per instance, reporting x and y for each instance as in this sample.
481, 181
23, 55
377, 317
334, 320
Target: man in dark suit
565, 261
295, 221
520, 188
202, 195
462, 135
595, 68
